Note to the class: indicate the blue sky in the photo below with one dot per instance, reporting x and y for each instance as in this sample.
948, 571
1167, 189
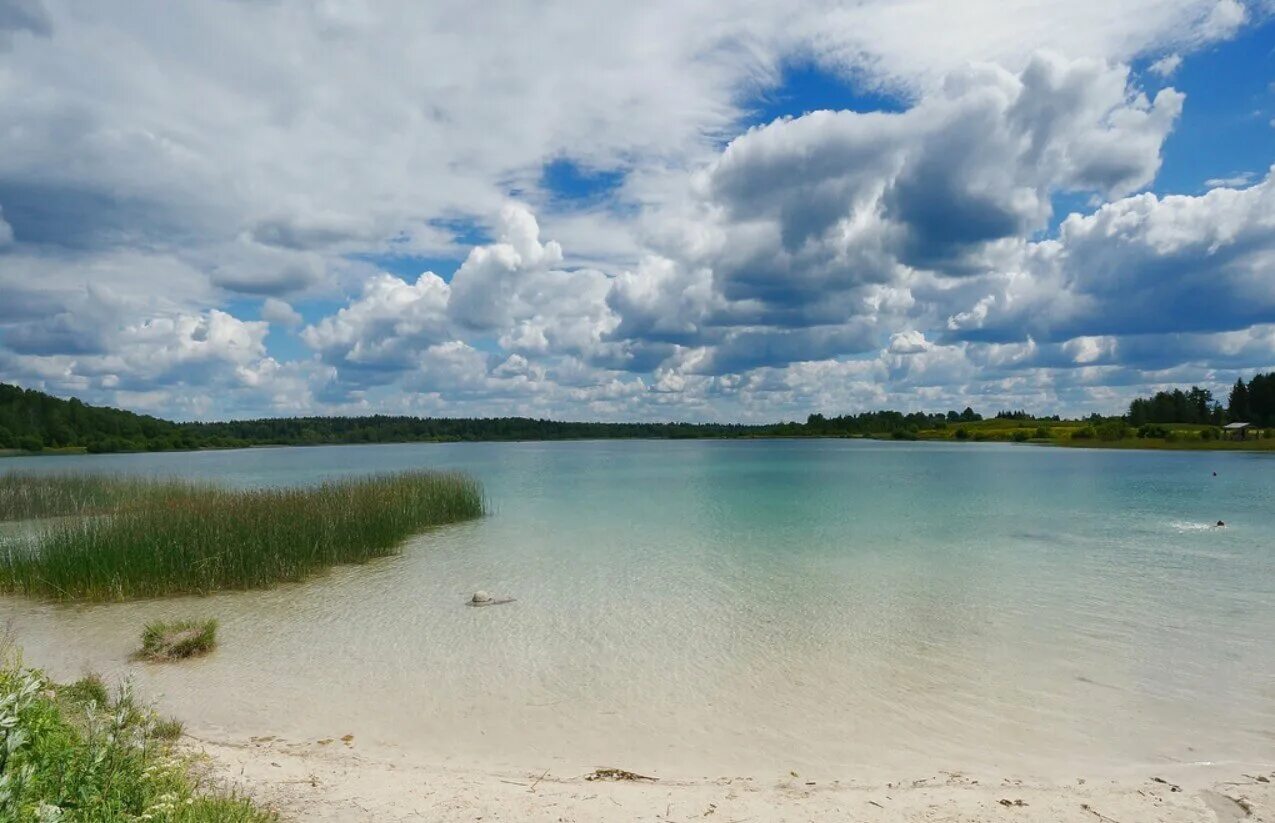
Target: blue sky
669, 213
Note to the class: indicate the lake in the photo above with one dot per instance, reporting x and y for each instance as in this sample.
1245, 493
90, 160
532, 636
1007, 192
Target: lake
711, 608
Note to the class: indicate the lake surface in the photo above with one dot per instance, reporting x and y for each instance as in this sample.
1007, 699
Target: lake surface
711, 608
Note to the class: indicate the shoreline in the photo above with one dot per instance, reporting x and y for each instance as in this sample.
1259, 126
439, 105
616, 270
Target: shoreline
338, 782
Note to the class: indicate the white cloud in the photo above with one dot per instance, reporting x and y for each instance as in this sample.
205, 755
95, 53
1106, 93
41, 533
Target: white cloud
278, 312
908, 342
1143, 264
1166, 66
275, 149
1237, 180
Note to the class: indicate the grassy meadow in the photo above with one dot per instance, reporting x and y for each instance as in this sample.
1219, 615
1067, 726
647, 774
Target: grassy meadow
1110, 434
120, 539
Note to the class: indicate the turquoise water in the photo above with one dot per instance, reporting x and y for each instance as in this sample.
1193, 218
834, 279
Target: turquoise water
709, 608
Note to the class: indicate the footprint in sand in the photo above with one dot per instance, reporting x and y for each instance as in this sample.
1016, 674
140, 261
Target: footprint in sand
1227, 809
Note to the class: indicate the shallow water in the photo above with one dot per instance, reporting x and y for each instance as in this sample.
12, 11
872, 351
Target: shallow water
709, 608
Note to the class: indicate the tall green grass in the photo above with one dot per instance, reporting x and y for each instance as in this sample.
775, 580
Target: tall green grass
176, 538
29, 496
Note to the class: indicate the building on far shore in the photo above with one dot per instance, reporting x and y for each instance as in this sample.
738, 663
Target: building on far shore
1237, 431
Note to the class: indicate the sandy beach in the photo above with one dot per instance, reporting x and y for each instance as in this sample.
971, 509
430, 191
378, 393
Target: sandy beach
334, 781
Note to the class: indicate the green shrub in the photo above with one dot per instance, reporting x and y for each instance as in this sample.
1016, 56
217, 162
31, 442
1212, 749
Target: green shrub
961, 434
1153, 430
1042, 433
1021, 436
1084, 433
96, 764
1113, 430
178, 640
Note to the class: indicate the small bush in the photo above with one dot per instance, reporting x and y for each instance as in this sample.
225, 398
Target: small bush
88, 690
1084, 433
961, 434
1153, 430
1020, 436
1113, 430
178, 640
1042, 433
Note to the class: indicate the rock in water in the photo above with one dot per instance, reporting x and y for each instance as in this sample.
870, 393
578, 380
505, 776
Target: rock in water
480, 597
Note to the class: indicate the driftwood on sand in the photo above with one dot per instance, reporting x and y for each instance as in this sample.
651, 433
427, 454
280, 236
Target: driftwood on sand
617, 774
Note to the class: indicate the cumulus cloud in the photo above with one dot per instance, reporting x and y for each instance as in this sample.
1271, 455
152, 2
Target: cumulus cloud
814, 235
387, 326
1139, 265
841, 257
278, 312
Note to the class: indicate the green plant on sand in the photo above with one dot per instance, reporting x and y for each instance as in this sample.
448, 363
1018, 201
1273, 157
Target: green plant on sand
162, 640
81, 762
170, 537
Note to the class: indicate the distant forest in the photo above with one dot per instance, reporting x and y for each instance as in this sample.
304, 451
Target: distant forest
1251, 402
32, 421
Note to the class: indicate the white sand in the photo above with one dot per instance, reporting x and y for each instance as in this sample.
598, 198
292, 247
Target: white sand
335, 781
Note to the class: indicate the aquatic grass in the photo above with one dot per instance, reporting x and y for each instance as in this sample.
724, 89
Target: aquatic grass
35, 496
177, 538
162, 640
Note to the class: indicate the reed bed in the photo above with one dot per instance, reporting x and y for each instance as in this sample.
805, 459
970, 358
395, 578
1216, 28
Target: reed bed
177, 538
34, 496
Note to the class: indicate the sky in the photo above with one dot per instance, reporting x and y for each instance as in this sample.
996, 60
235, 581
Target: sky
671, 210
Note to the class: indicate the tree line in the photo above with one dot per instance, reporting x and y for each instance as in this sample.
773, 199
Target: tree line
1251, 402
32, 420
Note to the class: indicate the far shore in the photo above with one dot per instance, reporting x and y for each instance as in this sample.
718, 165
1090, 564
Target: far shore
1128, 443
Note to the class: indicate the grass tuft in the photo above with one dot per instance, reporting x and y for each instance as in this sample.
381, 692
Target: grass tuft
168, 729
88, 690
178, 640
169, 537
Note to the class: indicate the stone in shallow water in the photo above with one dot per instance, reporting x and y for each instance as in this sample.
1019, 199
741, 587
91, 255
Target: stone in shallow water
480, 597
